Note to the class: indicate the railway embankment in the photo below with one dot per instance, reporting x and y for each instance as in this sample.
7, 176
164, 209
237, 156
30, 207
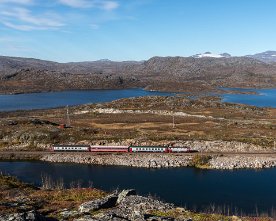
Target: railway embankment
197, 145
133, 160
240, 162
227, 162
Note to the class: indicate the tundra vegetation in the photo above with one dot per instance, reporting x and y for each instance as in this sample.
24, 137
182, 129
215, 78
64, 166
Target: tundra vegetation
144, 120
52, 201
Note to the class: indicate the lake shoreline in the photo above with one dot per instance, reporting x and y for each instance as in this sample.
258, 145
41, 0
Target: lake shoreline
156, 161
210, 161
219, 90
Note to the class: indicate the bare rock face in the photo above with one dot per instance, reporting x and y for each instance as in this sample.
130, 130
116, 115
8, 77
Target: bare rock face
26, 216
124, 194
106, 202
128, 206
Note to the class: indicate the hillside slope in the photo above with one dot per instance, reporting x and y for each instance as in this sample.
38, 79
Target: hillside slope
20, 75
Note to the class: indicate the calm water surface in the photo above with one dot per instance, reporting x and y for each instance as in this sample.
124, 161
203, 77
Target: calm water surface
241, 190
58, 99
265, 98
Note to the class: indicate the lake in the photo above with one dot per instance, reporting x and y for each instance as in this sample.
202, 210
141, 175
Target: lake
242, 190
58, 99
265, 98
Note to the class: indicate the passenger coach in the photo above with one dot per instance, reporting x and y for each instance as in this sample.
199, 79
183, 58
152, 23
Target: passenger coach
109, 149
152, 149
73, 148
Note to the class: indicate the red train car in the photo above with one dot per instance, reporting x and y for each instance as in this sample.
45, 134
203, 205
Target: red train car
109, 149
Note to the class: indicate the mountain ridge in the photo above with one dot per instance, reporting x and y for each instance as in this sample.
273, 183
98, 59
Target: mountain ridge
21, 75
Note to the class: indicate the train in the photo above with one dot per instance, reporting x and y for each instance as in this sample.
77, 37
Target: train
121, 149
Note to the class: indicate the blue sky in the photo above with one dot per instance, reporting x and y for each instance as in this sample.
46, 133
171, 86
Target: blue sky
82, 30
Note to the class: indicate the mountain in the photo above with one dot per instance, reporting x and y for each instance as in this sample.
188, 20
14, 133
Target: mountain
211, 55
268, 56
21, 75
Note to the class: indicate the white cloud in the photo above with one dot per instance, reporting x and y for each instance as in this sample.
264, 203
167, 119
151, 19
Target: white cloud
102, 4
77, 3
22, 19
28, 15
110, 5
22, 27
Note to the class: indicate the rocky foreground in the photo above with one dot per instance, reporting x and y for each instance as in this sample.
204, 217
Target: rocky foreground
167, 160
27, 203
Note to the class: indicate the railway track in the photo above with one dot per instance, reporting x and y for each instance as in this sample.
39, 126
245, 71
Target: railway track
18, 153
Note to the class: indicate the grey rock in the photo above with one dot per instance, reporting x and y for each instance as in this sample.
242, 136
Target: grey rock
68, 213
101, 217
27, 216
106, 202
125, 193
86, 218
157, 218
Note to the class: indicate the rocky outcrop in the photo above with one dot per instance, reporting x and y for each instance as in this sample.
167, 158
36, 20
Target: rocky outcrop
124, 194
106, 202
129, 207
25, 216
159, 112
118, 206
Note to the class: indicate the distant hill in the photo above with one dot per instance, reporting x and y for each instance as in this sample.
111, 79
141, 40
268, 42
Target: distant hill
20, 75
268, 56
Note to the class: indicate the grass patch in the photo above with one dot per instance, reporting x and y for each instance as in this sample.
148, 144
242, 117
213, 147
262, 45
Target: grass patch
10, 182
47, 202
201, 161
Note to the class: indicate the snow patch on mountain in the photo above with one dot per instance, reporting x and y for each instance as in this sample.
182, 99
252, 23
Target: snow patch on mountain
267, 56
211, 55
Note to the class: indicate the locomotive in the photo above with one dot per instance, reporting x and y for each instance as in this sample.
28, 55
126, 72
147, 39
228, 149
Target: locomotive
121, 149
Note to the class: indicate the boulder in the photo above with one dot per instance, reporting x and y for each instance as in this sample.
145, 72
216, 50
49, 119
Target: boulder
157, 218
26, 216
124, 194
106, 202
